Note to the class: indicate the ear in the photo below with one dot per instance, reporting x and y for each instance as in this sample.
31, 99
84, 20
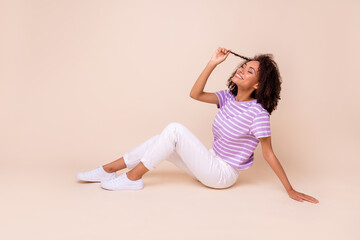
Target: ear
256, 85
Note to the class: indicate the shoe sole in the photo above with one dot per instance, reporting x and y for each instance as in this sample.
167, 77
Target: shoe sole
93, 181
129, 188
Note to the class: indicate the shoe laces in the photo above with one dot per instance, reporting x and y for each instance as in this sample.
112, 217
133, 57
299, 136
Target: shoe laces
95, 172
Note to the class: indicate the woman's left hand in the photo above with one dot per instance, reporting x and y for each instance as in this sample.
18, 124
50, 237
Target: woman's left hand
301, 196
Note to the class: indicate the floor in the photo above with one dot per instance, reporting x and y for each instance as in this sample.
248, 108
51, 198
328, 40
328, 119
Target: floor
47, 202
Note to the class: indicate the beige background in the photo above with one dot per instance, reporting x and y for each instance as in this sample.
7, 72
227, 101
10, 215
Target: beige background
83, 82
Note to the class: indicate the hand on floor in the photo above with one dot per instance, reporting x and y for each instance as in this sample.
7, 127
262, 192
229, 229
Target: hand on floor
301, 196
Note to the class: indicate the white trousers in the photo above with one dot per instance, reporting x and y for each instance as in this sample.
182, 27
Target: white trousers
179, 145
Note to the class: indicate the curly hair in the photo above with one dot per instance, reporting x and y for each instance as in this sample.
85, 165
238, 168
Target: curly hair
269, 87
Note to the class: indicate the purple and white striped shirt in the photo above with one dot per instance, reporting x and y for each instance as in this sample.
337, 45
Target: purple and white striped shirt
237, 128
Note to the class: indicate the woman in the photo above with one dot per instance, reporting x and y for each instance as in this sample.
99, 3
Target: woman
241, 123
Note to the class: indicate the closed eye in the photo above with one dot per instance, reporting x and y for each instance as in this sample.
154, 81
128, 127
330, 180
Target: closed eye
248, 71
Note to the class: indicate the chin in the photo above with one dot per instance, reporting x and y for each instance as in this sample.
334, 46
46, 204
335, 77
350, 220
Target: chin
235, 80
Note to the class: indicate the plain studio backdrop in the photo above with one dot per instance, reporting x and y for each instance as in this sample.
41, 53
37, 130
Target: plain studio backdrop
83, 82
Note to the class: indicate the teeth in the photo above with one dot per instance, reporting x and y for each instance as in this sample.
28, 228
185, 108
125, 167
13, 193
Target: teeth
239, 76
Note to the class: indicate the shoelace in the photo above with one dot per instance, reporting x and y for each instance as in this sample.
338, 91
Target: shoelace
92, 173
120, 179
95, 172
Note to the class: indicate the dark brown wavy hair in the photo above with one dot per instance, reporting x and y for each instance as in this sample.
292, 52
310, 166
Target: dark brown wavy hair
269, 87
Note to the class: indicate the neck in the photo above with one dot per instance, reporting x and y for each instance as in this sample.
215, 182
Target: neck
243, 96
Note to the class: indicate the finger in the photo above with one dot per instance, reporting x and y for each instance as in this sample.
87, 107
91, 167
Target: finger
308, 198
297, 198
311, 199
301, 196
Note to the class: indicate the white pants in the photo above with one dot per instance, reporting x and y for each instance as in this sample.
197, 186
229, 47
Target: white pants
179, 145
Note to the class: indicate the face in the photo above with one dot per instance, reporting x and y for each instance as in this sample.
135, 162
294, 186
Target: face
247, 75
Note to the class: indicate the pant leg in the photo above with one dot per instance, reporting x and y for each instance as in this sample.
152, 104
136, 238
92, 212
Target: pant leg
178, 161
205, 165
133, 157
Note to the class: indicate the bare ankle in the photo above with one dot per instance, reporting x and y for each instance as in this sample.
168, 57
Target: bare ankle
108, 169
115, 165
132, 177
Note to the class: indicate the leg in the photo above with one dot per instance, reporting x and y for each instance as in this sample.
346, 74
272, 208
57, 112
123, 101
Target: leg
119, 164
133, 157
179, 162
204, 164
130, 159
140, 169
115, 165
137, 172
107, 171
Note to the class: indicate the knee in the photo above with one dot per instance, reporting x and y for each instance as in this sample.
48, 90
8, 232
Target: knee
174, 125
174, 130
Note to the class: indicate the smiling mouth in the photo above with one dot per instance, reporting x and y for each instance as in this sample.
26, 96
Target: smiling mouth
238, 76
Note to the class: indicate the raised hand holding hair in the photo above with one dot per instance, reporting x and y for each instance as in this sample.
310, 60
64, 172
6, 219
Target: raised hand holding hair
220, 55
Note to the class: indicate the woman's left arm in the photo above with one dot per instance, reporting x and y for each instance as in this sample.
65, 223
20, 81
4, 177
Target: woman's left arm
274, 163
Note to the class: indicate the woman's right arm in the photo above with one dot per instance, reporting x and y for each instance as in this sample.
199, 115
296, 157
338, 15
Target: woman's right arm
197, 92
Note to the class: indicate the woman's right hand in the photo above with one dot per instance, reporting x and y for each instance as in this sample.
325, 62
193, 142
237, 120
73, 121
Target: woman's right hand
220, 55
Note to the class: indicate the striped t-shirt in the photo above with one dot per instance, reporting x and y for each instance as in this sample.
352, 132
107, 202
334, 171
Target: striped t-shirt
237, 128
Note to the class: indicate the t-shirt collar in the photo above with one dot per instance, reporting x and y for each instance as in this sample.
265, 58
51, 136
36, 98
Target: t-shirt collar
245, 102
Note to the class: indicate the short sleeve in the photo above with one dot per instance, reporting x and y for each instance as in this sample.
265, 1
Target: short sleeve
222, 96
260, 126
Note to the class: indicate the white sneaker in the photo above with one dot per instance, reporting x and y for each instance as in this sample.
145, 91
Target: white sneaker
96, 175
122, 182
